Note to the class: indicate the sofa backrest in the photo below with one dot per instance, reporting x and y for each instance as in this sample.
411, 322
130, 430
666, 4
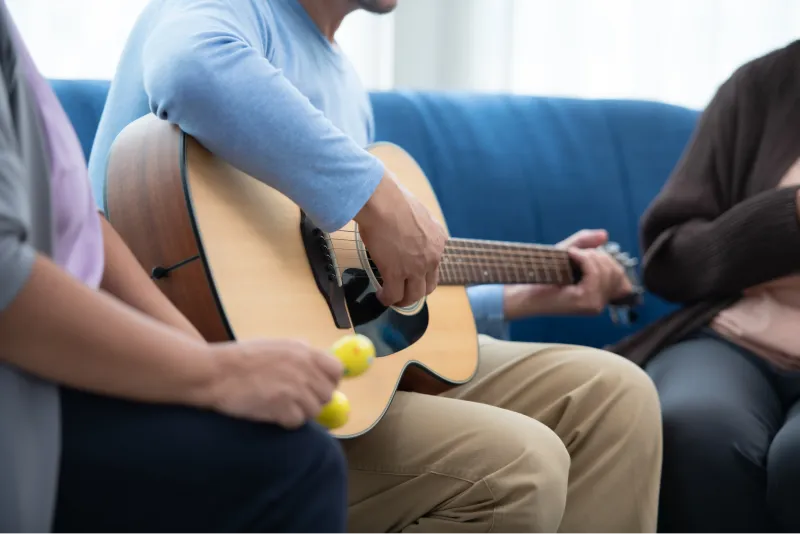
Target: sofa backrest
537, 169
516, 168
83, 100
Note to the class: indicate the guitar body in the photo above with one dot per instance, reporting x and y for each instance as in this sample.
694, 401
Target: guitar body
246, 263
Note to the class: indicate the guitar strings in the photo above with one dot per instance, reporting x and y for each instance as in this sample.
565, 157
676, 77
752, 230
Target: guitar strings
474, 260
554, 254
469, 259
479, 245
466, 251
471, 267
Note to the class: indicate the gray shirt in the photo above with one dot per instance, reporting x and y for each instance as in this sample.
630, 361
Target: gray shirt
29, 411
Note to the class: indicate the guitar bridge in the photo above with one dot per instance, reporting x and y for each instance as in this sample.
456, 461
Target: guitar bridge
325, 271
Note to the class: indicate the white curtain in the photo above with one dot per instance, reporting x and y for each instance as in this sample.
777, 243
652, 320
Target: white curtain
676, 51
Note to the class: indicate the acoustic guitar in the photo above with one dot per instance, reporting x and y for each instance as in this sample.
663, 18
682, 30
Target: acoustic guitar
242, 261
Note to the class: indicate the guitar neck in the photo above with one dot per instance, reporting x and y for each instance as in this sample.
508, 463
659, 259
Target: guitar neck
474, 261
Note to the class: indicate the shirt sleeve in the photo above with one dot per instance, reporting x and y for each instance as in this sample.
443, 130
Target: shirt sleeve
487, 307
206, 70
16, 253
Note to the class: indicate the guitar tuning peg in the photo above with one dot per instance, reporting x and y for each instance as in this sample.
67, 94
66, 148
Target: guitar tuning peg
620, 315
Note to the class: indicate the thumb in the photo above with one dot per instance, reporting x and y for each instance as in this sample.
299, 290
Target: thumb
587, 239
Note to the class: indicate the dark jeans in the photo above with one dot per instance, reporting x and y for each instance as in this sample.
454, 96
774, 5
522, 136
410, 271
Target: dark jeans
146, 468
731, 439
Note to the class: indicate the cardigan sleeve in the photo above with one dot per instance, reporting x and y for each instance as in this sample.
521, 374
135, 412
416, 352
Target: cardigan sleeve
699, 244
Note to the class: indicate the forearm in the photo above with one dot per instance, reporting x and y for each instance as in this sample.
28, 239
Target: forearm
494, 305
62, 331
754, 242
204, 72
522, 301
124, 278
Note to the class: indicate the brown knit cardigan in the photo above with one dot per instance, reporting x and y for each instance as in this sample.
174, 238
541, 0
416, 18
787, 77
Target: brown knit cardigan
719, 225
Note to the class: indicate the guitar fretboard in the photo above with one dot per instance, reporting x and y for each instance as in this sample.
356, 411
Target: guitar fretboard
472, 261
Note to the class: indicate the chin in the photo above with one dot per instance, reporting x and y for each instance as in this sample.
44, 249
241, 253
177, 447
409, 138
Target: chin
378, 6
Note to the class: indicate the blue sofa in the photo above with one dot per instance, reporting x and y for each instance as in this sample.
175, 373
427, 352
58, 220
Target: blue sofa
517, 168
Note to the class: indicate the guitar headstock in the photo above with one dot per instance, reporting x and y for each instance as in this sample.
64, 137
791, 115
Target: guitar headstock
622, 311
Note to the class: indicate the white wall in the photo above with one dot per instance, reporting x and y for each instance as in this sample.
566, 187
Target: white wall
677, 51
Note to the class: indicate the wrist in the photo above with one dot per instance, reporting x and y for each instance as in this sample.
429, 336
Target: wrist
379, 204
523, 301
207, 375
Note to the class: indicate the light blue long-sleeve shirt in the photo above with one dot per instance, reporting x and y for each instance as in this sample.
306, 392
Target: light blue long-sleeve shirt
257, 83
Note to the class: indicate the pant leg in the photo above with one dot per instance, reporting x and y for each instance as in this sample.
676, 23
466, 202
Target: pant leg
720, 413
129, 467
478, 460
783, 474
434, 464
604, 409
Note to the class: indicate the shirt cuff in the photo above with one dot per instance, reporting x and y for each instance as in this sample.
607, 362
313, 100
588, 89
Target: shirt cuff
487, 307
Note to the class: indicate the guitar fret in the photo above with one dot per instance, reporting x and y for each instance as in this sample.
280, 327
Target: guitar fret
482, 265
510, 270
565, 270
468, 261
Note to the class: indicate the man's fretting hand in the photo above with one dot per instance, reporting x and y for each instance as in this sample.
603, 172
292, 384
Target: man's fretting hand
604, 280
404, 241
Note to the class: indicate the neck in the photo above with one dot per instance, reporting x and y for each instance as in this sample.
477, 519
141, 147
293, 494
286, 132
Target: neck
473, 261
328, 14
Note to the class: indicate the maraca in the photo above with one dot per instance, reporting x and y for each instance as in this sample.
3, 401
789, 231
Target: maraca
356, 352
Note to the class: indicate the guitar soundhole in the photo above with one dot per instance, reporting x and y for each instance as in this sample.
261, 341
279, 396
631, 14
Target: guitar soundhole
389, 330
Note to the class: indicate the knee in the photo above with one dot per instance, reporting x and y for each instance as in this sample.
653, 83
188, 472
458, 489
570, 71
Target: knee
625, 401
783, 480
292, 481
529, 481
708, 430
311, 469
542, 457
619, 377
321, 457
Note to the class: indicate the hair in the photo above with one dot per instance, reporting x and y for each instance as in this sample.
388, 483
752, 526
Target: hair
378, 6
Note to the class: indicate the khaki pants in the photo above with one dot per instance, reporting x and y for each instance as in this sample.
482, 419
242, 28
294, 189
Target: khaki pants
545, 438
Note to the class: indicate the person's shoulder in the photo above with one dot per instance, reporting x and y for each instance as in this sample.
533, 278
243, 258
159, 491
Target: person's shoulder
772, 71
10, 77
256, 16
784, 56
184, 22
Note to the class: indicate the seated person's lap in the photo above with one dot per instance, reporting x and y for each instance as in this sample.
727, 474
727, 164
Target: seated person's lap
731, 434
139, 467
461, 457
